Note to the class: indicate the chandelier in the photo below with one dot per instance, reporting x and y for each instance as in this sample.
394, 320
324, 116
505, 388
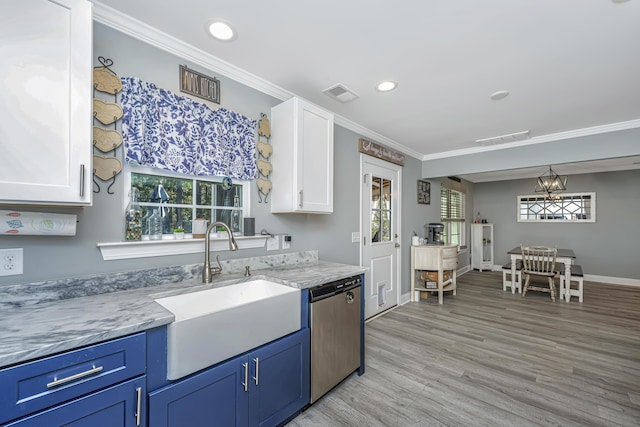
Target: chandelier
551, 185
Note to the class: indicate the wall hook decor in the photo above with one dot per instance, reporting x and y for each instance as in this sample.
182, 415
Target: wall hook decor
264, 165
105, 80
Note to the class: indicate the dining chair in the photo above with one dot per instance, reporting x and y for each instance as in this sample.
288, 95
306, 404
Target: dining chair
539, 261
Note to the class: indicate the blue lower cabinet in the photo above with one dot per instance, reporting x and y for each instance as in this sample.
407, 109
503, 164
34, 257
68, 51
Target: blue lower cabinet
214, 397
119, 405
261, 388
282, 385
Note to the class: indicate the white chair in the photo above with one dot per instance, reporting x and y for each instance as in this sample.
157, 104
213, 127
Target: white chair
539, 261
506, 270
576, 276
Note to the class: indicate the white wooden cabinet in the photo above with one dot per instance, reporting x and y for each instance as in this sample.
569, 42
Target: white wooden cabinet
45, 131
302, 177
482, 246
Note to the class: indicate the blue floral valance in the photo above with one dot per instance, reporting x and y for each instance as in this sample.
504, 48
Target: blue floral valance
163, 130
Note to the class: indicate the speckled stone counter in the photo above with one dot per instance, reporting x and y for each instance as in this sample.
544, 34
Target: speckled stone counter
41, 319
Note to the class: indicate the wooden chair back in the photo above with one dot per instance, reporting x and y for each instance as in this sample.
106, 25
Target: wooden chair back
540, 260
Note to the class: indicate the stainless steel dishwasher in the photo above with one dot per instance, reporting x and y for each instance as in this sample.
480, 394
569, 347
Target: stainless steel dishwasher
336, 322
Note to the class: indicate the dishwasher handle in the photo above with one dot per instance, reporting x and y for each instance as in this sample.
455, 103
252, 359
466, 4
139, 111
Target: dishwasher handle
350, 297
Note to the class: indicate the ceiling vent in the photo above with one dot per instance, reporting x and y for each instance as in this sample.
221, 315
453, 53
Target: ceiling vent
341, 93
503, 139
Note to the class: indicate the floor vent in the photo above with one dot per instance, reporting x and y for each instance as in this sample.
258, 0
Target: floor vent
503, 139
341, 93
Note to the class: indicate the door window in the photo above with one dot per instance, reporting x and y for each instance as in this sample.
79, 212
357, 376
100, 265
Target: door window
380, 210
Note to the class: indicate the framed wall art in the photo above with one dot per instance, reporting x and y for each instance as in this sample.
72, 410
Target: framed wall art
424, 192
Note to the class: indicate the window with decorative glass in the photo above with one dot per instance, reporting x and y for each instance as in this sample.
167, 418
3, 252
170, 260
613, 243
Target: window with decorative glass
452, 216
576, 207
179, 199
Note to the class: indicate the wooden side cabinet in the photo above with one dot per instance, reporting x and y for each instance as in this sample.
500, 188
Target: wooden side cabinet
261, 388
436, 258
482, 246
302, 138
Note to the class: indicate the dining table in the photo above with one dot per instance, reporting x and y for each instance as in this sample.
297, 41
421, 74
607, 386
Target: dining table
564, 256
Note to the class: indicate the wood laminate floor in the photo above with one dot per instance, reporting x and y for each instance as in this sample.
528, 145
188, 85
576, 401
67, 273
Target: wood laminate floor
491, 358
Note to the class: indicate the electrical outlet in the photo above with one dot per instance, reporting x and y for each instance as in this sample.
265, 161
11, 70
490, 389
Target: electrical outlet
286, 241
11, 262
273, 243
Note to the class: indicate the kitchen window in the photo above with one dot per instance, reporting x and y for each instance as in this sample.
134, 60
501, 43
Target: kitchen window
452, 216
564, 208
180, 199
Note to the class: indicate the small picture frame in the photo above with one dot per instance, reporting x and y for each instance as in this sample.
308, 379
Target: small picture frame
424, 192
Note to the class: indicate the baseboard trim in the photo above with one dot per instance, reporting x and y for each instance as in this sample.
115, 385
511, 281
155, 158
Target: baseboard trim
608, 280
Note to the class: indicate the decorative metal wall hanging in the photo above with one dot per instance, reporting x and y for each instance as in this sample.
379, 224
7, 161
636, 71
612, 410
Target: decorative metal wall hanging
105, 80
197, 84
264, 166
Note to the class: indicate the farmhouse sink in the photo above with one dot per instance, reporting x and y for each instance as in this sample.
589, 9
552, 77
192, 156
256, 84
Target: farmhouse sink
213, 325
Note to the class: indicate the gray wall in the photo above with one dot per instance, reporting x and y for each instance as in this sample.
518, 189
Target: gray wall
59, 257
608, 247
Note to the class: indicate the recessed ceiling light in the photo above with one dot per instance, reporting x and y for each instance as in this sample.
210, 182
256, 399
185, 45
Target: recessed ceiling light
501, 94
386, 86
222, 31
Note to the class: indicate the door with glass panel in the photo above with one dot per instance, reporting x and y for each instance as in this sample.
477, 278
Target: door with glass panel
380, 231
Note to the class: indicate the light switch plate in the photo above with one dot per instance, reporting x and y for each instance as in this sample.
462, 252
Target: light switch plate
273, 243
355, 237
11, 262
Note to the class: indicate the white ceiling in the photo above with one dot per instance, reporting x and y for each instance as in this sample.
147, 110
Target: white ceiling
569, 64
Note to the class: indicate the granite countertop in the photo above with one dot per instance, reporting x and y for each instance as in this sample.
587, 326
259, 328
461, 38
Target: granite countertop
40, 329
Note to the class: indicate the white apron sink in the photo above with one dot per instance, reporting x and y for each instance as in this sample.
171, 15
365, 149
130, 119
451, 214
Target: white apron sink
213, 325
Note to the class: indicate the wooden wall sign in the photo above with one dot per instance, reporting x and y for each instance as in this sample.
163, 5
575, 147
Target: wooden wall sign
199, 85
380, 152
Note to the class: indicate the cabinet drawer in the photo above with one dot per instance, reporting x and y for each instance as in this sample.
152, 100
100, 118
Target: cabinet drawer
451, 252
37, 385
449, 263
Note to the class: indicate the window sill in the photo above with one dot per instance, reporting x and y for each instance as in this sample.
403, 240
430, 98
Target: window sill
169, 246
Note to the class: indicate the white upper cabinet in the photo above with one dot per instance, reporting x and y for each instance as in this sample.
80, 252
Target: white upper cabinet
45, 130
302, 138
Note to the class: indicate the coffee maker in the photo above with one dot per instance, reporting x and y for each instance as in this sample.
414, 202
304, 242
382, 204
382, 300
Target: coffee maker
434, 233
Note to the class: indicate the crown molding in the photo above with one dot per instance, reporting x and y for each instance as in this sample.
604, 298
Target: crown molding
595, 130
150, 35
125, 24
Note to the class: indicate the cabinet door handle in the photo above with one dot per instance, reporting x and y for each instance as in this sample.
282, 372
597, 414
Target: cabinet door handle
138, 405
56, 382
81, 180
246, 376
257, 362
300, 203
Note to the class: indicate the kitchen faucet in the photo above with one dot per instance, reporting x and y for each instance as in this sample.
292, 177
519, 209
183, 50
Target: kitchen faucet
207, 271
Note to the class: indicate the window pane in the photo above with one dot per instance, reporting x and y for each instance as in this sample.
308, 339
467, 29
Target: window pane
452, 211
375, 225
567, 207
180, 200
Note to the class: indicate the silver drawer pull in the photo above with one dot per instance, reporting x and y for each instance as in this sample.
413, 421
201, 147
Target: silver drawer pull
138, 405
56, 382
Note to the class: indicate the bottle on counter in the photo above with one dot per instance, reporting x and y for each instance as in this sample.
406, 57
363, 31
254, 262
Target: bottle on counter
133, 216
155, 225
